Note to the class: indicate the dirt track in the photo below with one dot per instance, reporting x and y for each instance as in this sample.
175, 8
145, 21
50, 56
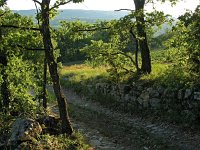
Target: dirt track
108, 130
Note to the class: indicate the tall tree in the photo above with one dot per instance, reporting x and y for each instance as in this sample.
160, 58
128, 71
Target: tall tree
143, 43
53, 66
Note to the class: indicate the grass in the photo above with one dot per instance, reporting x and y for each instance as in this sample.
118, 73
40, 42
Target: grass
82, 73
75, 142
80, 76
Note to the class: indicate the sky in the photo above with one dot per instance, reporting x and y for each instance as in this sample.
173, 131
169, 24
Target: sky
175, 11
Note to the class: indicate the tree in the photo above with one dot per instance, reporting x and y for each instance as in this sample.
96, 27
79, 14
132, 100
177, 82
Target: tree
141, 31
143, 43
187, 40
68, 36
49, 54
15, 62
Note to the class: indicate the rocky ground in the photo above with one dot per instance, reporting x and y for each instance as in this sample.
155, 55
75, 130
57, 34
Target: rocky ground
106, 130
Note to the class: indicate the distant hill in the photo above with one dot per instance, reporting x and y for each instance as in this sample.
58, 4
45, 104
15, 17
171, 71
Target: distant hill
76, 14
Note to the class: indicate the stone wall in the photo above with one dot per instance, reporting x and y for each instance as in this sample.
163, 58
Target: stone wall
153, 97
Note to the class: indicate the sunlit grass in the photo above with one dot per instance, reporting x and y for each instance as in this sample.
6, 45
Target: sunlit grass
165, 71
83, 72
157, 71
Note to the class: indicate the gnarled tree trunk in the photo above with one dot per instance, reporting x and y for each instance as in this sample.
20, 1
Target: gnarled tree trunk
62, 104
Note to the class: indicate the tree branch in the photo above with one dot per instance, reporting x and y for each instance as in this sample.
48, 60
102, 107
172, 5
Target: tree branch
38, 21
31, 49
125, 9
121, 53
126, 55
36, 1
17, 27
2, 14
28, 48
61, 3
92, 29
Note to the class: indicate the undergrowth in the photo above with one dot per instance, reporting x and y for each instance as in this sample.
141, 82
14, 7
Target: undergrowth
44, 141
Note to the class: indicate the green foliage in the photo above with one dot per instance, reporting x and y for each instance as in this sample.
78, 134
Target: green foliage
63, 142
5, 126
186, 40
116, 46
108, 54
70, 40
21, 100
2, 2
23, 67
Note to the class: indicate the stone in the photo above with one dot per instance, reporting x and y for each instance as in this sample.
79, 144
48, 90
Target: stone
95, 142
50, 121
133, 98
197, 96
180, 94
24, 130
144, 95
160, 90
169, 93
127, 89
145, 103
100, 86
140, 88
149, 89
153, 93
143, 99
154, 102
121, 88
188, 93
140, 101
89, 86
127, 97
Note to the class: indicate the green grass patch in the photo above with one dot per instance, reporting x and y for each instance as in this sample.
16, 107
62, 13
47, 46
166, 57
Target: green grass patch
74, 142
162, 60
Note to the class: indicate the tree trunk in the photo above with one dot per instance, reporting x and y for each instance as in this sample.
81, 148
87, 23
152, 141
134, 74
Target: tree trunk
136, 50
4, 86
143, 43
62, 104
5, 93
44, 92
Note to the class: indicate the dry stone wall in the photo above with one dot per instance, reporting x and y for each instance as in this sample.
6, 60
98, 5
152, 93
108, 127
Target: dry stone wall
152, 97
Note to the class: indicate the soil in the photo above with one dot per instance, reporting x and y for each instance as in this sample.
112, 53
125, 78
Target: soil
106, 129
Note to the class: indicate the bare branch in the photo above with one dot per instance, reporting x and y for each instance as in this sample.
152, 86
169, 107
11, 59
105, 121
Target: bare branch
2, 14
61, 3
121, 53
125, 10
17, 27
38, 21
36, 1
30, 49
92, 29
126, 55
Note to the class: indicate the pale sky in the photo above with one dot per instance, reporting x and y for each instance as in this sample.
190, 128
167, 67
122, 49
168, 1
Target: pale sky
177, 10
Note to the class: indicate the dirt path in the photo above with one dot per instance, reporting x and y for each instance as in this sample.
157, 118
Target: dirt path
107, 130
